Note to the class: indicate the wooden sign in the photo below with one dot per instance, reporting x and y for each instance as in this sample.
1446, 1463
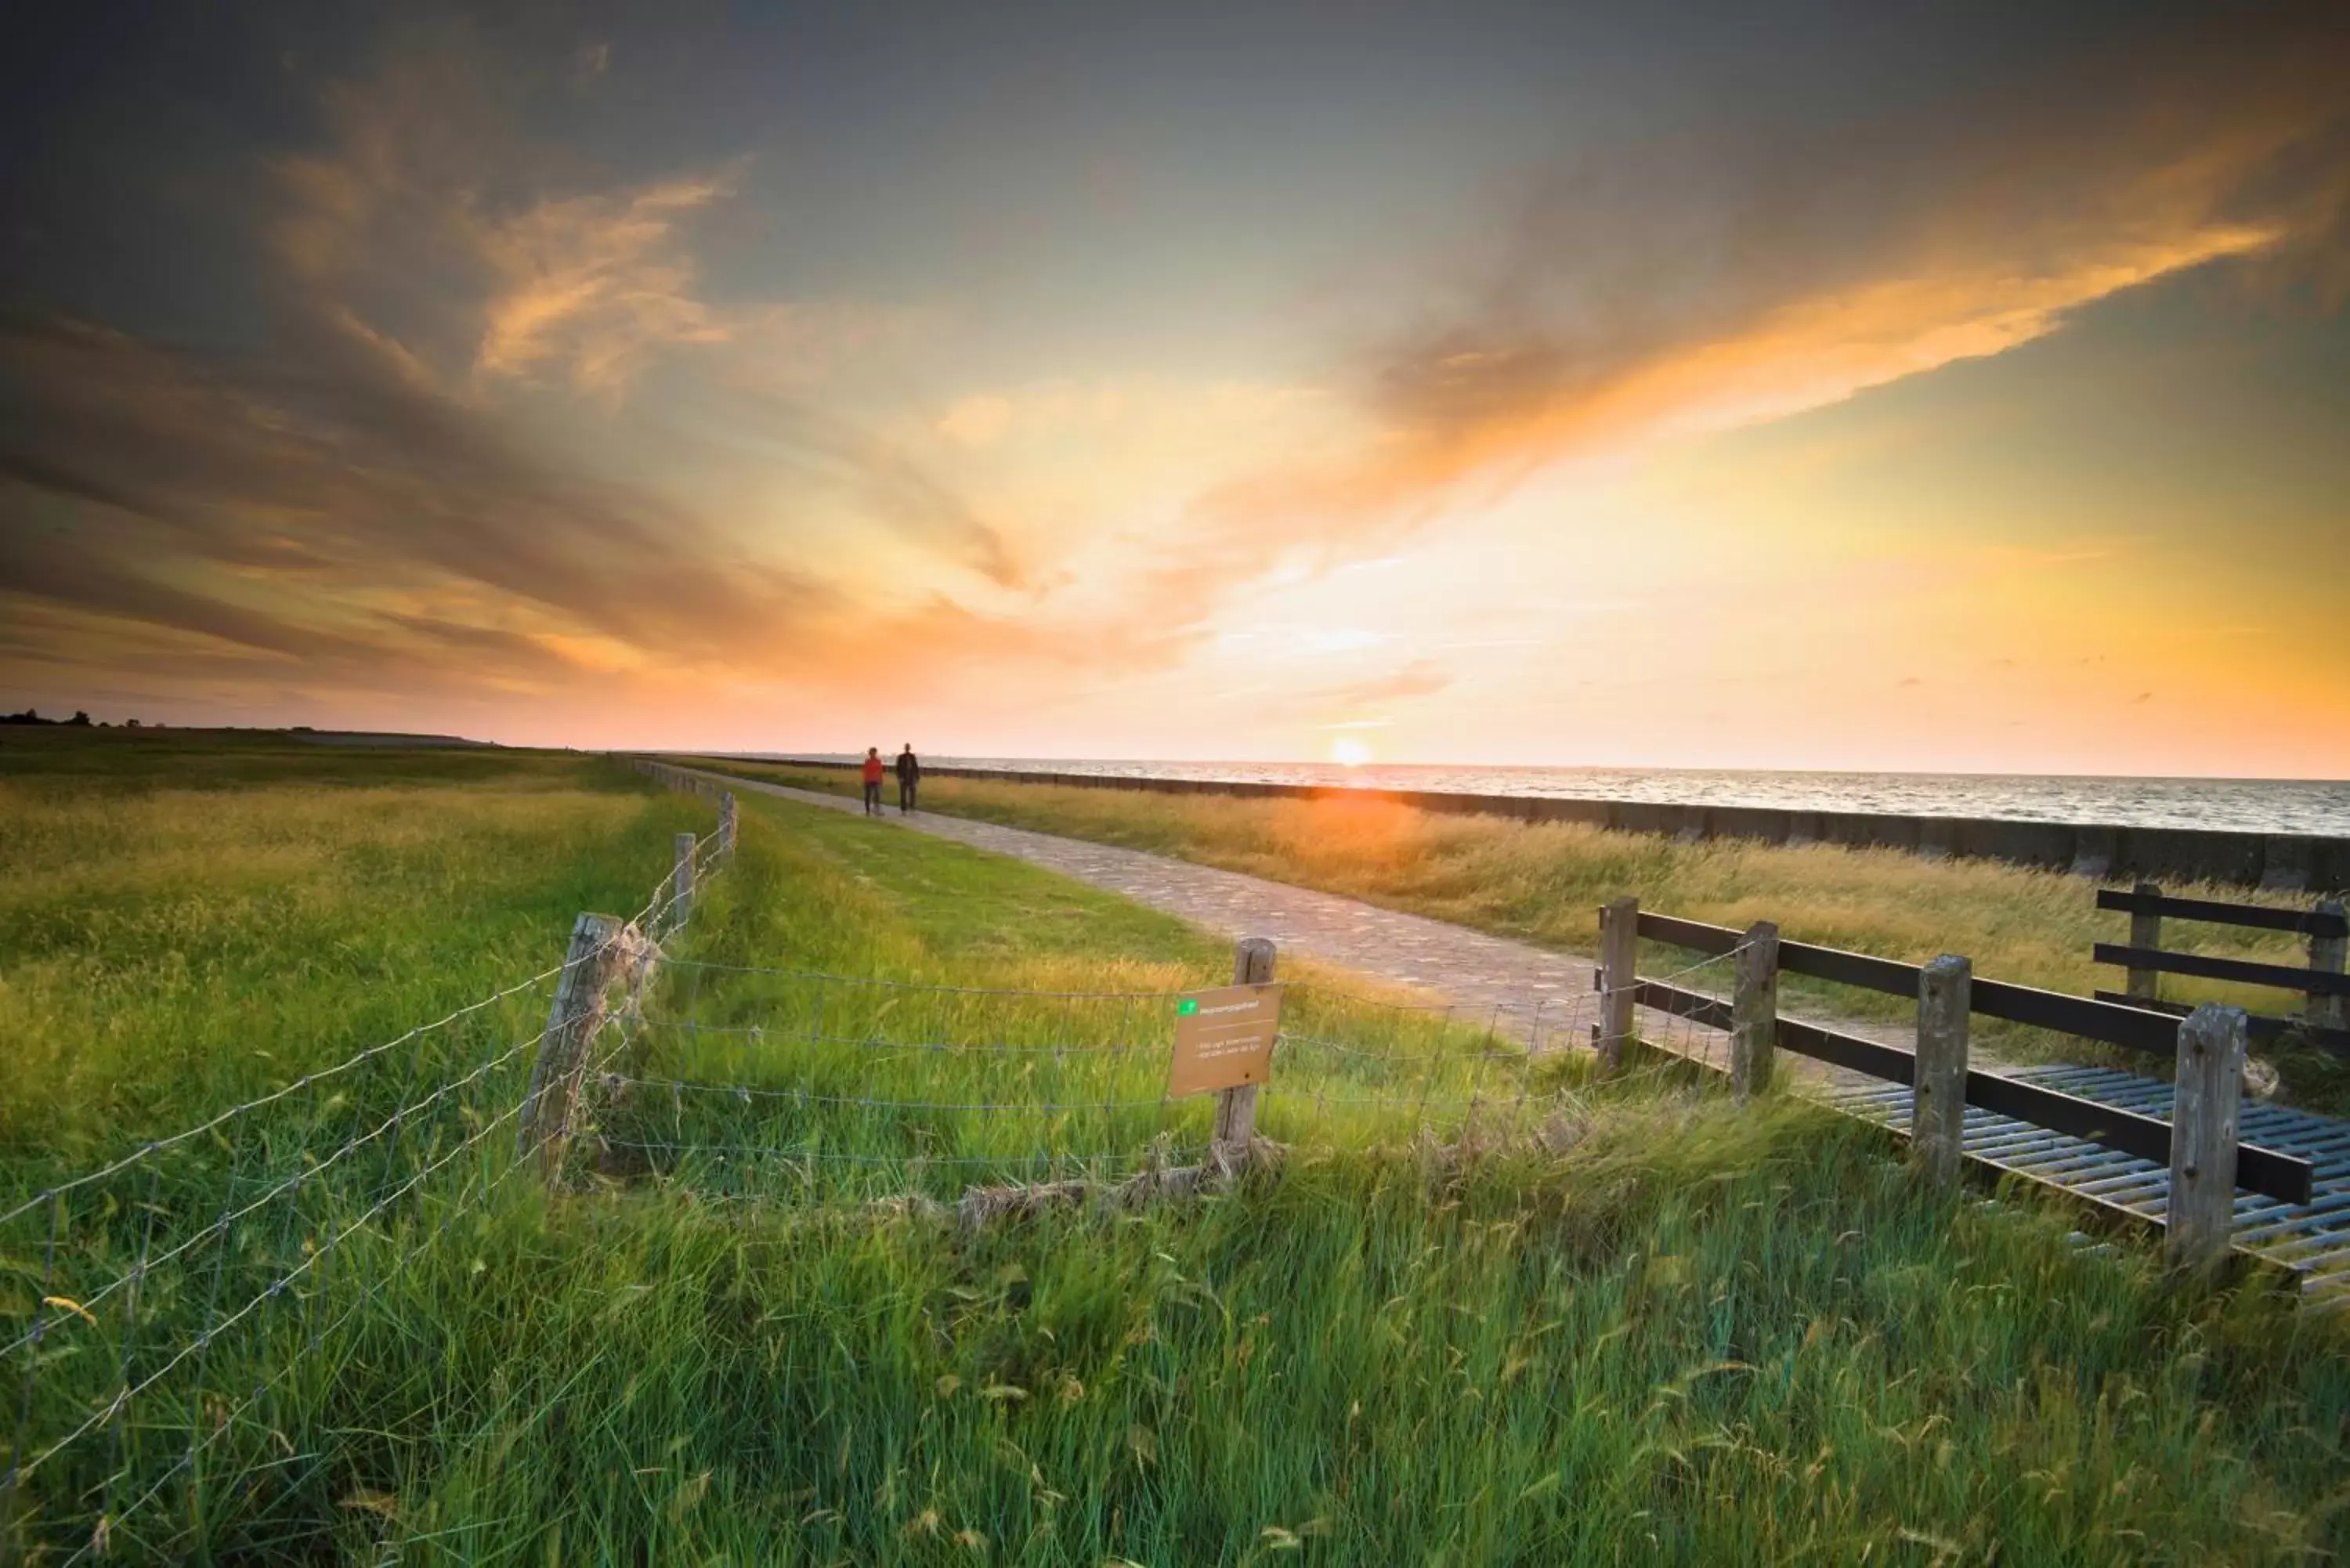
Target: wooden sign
1223, 1038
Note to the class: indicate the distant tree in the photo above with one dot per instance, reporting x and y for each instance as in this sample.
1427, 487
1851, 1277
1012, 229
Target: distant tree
129, 723
79, 718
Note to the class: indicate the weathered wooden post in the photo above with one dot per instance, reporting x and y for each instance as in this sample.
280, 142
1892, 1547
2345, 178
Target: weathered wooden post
1937, 1110
577, 1012
2146, 932
1619, 958
680, 889
1754, 1010
2326, 954
1236, 1125
727, 825
2211, 1086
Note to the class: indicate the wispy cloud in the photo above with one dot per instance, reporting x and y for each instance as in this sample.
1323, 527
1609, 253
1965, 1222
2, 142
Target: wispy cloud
1701, 282
595, 286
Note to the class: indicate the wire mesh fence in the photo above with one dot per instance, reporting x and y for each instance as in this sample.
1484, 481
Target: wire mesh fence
809, 1086
168, 1315
159, 1310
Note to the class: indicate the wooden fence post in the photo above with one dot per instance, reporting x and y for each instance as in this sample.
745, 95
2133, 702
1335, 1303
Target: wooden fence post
1938, 1109
1619, 957
681, 889
577, 1012
2211, 1086
726, 823
1754, 1010
1236, 1124
2146, 932
2327, 953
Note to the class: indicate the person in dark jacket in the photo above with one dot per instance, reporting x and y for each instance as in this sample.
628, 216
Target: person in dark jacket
910, 774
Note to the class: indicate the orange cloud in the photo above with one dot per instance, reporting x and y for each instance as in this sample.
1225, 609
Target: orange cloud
595, 285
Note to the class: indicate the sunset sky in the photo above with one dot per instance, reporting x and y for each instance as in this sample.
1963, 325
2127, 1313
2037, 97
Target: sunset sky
1962, 387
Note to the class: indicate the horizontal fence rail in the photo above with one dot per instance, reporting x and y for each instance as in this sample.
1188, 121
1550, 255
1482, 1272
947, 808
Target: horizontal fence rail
2252, 917
2273, 1175
2323, 1020
2265, 1031
2134, 1028
2243, 971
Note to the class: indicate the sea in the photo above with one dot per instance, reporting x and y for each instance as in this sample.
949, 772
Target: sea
2315, 806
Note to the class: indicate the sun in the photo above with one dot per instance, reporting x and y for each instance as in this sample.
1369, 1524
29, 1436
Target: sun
1349, 753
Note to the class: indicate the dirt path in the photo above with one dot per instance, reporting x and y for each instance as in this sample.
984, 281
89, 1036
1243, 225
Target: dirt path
1528, 991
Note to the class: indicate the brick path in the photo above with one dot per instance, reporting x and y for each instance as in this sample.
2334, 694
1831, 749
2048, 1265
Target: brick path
1529, 990
1482, 972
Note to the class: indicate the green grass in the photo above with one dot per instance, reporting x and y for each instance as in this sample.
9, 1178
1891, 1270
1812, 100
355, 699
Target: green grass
1543, 883
1669, 1331
183, 925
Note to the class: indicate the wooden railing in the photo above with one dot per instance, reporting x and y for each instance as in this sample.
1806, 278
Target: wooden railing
2207, 1162
2325, 1020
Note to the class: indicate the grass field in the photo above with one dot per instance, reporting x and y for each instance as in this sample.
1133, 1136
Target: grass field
1667, 1330
1543, 883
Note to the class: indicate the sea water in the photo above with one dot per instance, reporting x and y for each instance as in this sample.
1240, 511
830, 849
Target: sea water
2315, 806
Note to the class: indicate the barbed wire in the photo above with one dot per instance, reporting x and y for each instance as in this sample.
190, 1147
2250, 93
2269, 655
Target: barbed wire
308, 1080
302, 1176
656, 907
126, 1291
1438, 1063
227, 1419
467, 1197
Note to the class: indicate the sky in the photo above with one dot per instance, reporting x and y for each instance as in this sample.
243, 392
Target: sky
1886, 386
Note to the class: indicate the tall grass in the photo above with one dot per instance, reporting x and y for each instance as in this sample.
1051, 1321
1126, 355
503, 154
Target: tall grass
1670, 1330
175, 935
1543, 883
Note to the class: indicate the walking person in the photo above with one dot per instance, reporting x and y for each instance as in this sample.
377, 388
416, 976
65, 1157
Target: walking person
872, 781
910, 776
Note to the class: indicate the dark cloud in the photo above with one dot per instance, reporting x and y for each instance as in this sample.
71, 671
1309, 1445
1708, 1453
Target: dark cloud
1769, 253
2015, 193
348, 481
329, 465
390, 462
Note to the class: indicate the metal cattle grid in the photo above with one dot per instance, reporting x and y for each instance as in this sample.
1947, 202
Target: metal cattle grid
2310, 1239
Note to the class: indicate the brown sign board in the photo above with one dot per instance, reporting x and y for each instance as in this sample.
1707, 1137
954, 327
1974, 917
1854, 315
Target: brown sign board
1223, 1038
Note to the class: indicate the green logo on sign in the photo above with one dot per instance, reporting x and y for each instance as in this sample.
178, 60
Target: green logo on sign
1188, 1006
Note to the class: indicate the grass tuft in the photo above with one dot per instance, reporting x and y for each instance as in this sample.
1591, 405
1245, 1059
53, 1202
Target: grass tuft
1683, 1332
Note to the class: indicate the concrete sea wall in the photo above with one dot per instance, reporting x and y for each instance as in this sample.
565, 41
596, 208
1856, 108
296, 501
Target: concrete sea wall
2279, 862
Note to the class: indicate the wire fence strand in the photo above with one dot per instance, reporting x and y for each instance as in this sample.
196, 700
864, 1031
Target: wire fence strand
199, 1273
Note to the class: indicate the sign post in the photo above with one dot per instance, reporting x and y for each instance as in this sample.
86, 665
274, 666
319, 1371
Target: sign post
1223, 1042
1223, 1039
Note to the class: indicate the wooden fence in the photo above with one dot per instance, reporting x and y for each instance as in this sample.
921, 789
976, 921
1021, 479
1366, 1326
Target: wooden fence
2206, 1161
2325, 1020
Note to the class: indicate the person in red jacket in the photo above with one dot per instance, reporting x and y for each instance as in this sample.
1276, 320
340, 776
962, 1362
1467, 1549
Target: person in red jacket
873, 771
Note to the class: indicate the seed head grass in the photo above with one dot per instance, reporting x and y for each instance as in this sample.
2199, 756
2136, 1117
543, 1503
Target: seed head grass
1655, 1327
1545, 882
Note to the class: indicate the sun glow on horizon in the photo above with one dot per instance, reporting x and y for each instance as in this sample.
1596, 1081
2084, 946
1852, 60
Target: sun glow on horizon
1348, 752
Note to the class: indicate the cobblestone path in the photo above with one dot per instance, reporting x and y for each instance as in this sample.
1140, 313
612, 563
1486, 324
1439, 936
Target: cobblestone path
1529, 991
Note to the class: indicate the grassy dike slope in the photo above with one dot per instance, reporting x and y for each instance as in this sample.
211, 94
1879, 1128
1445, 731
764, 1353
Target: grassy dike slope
1682, 1332
1693, 1335
1543, 883
187, 920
